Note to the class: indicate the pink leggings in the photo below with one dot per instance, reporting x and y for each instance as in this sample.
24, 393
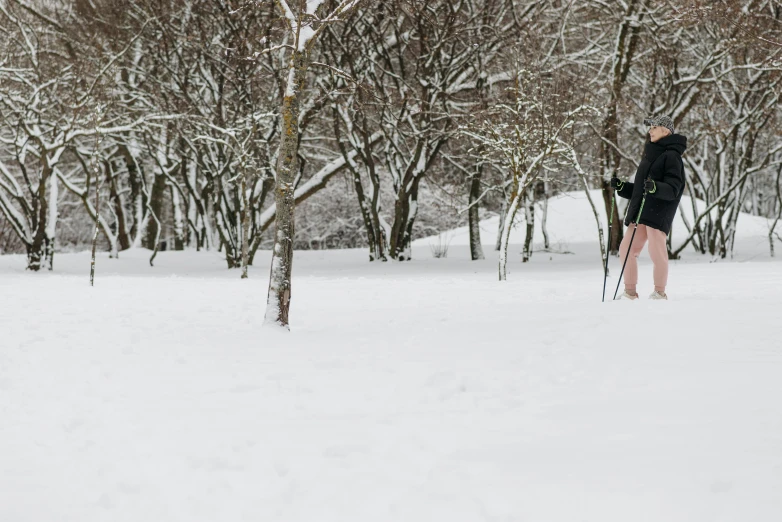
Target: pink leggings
657, 251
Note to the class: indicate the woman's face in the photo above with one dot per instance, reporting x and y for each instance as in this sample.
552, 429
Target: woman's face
656, 133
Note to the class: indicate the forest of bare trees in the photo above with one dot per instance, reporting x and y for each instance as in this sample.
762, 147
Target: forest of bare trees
203, 123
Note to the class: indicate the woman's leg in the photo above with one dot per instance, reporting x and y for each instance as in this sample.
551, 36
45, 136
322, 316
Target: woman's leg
658, 251
631, 270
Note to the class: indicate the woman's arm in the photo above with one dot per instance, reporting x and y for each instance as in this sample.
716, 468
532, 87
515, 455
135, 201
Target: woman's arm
672, 183
625, 190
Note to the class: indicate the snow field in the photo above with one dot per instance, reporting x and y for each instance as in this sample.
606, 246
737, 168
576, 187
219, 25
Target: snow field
423, 391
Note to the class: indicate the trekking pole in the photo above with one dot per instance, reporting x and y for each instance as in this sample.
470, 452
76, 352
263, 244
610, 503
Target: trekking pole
608, 243
630, 246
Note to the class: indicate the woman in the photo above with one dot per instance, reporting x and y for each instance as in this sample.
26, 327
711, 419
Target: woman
661, 174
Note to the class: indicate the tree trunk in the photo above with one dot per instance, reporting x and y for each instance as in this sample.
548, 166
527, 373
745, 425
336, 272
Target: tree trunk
156, 202
507, 226
405, 212
476, 249
401, 212
138, 196
778, 208
624, 53
95, 233
370, 213
380, 232
267, 185
245, 217
41, 249
119, 210
227, 224
51, 224
179, 220
544, 214
366, 214
501, 226
279, 295
407, 238
529, 212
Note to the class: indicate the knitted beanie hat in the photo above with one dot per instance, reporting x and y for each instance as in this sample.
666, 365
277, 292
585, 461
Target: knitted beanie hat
660, 121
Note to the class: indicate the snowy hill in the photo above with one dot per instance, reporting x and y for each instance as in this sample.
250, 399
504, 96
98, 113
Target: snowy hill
416, 392
571, 220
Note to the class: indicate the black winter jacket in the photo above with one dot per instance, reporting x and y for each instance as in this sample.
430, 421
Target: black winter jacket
662, 162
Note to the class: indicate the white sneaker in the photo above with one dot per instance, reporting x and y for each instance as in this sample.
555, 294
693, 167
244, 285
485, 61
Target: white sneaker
658, 295
625, 295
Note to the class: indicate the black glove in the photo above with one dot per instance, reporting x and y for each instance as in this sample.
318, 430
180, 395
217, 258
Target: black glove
616, 183
650, 186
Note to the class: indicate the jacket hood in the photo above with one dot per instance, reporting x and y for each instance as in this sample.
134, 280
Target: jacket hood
675, 142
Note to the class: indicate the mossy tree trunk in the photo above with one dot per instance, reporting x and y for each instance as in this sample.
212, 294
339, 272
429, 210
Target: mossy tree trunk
279, 296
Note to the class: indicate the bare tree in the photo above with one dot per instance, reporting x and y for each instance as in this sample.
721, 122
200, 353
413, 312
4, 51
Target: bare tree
528, 131
306, 21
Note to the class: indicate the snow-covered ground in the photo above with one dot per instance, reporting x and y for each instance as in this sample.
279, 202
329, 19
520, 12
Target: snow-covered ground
425, 391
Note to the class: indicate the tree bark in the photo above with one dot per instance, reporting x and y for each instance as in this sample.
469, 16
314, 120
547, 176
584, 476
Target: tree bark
279, 295
476, 249
529, 213
624, 53
156, 202
138, 197
179, 220
778, 205
267, 186
41, 250
405, 213
501, 225
369, 209
245, 217
507, 226
119, 210
401, 213
95, 233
